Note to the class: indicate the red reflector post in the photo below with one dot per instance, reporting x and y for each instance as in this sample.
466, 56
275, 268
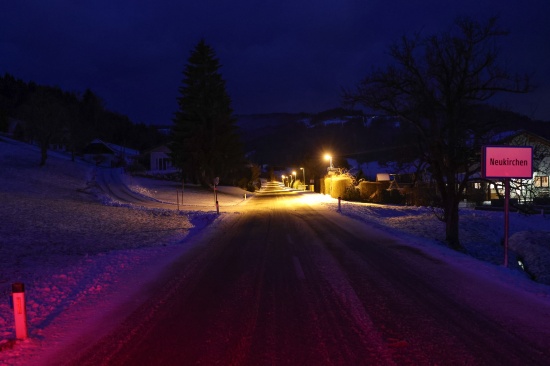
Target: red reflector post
19, 310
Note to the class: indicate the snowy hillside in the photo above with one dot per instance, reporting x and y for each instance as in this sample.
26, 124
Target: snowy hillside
66, 246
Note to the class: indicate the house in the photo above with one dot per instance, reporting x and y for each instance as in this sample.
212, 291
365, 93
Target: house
106, 154
160, 161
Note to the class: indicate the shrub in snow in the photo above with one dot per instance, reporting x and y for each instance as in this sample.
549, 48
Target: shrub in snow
336, 185
352, 193
392, 196
371, 191
533, 249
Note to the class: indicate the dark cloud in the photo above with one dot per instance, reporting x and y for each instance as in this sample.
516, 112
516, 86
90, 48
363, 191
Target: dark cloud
276, 55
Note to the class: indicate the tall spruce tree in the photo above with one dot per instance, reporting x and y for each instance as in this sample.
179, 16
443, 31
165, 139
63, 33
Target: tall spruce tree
205, 140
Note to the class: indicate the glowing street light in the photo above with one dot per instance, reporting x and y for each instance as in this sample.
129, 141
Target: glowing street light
283, 179
329, 158
304, 173
294, 174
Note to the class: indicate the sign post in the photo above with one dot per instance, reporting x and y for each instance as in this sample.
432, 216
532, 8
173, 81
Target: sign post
19, 310
216, 182
506, 218
505, 162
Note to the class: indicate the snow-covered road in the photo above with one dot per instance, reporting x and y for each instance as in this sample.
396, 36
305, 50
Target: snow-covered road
80, 258
286, 282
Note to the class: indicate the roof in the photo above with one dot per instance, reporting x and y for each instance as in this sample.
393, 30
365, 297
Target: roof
509, 137
98, 146
161, 148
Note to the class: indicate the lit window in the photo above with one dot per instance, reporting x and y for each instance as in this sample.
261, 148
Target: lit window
541, 181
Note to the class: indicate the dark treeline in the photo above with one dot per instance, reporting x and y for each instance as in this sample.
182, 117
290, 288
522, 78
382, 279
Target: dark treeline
50, 116
286, 139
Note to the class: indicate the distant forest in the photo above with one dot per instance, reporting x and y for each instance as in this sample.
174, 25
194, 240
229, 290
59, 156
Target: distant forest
287, 139
49, 115
54, 116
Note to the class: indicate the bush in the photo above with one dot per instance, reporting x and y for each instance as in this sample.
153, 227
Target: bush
424, 195
136, 168
253, 186
243, 183
544, 201
352, 194
393, 196
367, 190
337, 186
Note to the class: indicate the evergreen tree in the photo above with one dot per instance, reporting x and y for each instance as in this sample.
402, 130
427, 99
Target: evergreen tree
205, 140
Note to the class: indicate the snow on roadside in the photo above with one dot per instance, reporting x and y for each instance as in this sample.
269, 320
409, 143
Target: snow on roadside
533, 250
64, 245
481, 232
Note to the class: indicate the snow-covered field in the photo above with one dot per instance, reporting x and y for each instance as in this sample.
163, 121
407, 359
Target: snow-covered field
74, 251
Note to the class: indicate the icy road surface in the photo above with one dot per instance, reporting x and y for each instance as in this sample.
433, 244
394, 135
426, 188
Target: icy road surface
284, 283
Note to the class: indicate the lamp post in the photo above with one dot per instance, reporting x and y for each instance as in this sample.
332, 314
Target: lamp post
304, 175
283, 179
294, 174
330, 172
329, 158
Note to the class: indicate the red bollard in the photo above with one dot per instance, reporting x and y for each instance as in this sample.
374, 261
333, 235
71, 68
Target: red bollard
19, 310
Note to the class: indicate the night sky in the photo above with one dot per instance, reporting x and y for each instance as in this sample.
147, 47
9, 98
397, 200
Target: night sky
276, 55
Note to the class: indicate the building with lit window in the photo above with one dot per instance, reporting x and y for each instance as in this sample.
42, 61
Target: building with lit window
532, 191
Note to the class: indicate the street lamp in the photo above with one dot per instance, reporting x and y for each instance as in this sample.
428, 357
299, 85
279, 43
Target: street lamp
283, 179
304, 174
294, 174
329, 158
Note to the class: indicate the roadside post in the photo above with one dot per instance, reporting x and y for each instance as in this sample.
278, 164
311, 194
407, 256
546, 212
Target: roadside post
339, 204
216, 182
505, 162
19, 310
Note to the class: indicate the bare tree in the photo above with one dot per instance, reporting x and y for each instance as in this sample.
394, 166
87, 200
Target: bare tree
436, 84
46, 118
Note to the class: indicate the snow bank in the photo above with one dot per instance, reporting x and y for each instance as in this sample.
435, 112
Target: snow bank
533, 250
481, 232
62, 243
